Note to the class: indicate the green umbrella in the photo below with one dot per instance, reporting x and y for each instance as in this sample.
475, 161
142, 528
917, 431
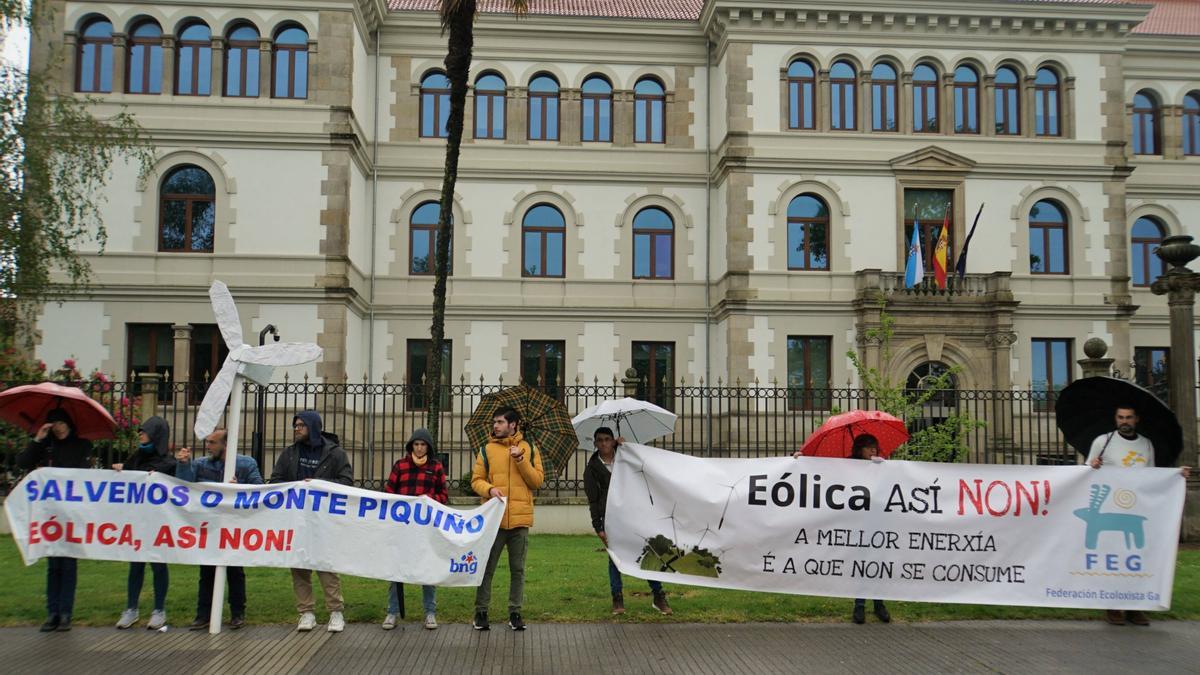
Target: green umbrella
545, 423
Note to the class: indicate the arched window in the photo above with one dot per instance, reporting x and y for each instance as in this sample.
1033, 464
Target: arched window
242, 62
187, 211
422, 240
597, 95
1046, 103
290, 63
94, 65
843, 88
925, 99
653, 244
193, 61
543, 242
1008, 102
808, 233
1147, 235
1146, 124
883, 98
543, 108
145, 60
1191, 124
802, 95
490, 99
966, 100
927, 376
435, 105
649, 111
1048, 253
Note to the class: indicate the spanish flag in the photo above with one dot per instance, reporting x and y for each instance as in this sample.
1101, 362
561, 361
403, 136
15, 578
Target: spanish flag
939, 254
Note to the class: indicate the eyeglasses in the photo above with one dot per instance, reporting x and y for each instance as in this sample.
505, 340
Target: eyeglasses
299, 426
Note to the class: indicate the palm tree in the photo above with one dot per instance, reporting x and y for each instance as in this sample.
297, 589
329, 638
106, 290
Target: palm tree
458, 19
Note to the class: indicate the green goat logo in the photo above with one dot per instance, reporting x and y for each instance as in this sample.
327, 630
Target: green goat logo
1098, 521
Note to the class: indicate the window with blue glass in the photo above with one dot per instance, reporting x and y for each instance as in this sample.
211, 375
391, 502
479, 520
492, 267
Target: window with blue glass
1146, 124
187, 211
94, 64
808, 372
808, 233
883, 98
422, 240
1146, 237
543, 108
242, 62
1191, 124
145, 59
490, 99
290, 63
1048, 239
1051, 370
653, 244
1008, 102
925, 99
649, 111
843, 92
802, 95
596, 96
1047, 110
966, 100
543, 242
435, 105
193, 61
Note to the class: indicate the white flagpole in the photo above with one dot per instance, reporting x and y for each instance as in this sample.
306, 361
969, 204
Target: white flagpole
231, 444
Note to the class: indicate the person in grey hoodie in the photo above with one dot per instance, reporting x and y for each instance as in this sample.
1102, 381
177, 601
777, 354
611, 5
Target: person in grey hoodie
315, 454
152, 454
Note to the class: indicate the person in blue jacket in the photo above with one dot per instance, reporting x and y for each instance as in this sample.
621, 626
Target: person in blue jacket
211, 469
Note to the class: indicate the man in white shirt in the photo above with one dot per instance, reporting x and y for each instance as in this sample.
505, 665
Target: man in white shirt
1125, 447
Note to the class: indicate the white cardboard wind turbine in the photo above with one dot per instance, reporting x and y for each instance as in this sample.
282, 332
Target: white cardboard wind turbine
255, 364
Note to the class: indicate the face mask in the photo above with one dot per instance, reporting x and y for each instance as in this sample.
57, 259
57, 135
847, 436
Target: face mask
146, 447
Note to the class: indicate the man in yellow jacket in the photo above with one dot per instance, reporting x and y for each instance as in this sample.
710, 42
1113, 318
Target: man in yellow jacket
507, 467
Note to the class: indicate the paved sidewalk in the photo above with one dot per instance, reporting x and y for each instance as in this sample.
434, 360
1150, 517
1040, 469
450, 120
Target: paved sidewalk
688, 649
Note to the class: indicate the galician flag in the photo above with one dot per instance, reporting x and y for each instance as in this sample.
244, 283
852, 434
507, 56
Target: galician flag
914, 271
939, 254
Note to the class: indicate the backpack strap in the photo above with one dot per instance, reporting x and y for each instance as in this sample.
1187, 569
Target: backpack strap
487, 467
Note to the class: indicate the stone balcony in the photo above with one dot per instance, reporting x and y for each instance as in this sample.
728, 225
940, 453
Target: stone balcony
878, 285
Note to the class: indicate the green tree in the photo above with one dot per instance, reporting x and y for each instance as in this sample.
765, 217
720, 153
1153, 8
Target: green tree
458, 20
57, 158
941, 442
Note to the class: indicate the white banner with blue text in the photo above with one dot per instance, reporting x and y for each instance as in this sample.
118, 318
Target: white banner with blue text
318, 525
1053, 536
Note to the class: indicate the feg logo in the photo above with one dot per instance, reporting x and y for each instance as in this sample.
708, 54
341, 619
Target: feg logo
1128, 525
466, 564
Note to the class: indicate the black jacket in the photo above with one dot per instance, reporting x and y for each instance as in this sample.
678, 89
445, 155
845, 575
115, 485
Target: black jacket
160, 460
72, 452
595, 484
334, 465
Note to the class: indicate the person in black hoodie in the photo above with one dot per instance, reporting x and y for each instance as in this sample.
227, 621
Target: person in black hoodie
315, 454
56, 445
152, 454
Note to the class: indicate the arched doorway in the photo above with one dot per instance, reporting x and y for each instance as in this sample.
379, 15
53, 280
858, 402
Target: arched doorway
940, 405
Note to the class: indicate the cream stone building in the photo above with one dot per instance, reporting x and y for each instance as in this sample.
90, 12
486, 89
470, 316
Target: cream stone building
717, 190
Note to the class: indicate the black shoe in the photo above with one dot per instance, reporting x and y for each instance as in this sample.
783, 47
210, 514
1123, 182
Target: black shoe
515, 622
64, 624
51, 624
860, 613
881, 612
198, 624
481, 621
237, 621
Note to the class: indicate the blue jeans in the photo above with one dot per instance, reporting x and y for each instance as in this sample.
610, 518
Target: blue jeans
137, 576
428, 598
61, 574
614, 580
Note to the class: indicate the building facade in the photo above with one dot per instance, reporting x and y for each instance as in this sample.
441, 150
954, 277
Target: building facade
721, 191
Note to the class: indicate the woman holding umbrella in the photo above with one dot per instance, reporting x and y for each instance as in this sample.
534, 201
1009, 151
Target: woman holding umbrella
866, 446
55, 444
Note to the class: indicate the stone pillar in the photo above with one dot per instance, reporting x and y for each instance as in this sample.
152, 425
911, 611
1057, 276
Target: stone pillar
999, 345
516, 123
265, 64
904, 112
168, 68
570, 117
824, 96
181, 365
622, 112
1066, 122
1095, 365
629, 383
1028, 118
120, 60
1179, 284
946, 104
987, 106
70, 62
150, 383
217, 86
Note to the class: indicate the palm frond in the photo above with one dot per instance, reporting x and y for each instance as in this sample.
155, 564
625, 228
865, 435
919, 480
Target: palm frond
452, 9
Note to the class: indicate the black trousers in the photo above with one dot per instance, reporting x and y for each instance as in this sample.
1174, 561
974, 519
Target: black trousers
235, 580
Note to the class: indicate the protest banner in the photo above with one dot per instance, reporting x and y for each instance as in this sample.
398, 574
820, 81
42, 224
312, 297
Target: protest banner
894, 530
136, 516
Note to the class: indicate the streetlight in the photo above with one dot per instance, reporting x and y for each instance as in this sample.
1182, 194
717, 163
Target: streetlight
260, 402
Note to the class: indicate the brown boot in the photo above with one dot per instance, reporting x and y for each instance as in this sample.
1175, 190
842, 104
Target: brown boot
660, 603
1137, 618
618, 603
1115, 616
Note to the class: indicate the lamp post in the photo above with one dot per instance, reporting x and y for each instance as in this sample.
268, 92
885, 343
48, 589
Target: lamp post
260, 401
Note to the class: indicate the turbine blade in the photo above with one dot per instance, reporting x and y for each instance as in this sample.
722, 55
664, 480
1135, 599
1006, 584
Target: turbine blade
209, 414
227, 315
281, 354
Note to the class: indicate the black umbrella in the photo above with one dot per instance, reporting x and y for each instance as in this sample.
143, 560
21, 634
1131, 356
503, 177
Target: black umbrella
1085, 409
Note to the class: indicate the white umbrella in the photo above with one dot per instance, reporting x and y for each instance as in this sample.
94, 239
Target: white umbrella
637, 421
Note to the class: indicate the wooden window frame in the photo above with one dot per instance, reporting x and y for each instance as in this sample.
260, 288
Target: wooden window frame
1041, 98
435, 95
1147, 245
651, 389
806, 222
291, 49
647, 101
844, 90
921, 90
542, 99
197, 48
802, 397
485, 97
1190, 137
1047, 404
597, 100
415, 399
796, 103
189, 201
542, 232
558, 390
97, 67
147, 45
1005, 91
1046, 227
654, 234
246, 47
883, 89
964, 90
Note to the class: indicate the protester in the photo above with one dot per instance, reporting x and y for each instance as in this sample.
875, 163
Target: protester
1125, 447
315, 454
596, 476
56, 445
507, 467
416, 473
866, 446
211, 469
152, 454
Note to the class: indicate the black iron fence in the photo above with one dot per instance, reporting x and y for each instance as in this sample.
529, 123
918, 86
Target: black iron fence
373, 421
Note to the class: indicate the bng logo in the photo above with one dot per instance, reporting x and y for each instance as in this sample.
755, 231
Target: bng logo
1129, 526
466, 564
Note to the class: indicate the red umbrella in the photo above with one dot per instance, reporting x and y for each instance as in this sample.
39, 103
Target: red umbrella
836, 436
26, 407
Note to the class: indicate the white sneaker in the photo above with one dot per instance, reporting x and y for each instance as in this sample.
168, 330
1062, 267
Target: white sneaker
430, 621
128, 618
158, 619
308, 621
389, 622
336, 622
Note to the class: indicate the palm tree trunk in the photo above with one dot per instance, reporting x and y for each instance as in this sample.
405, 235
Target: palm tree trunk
458, 66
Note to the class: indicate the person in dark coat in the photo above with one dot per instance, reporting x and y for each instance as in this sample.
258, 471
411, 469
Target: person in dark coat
866, 446
315, 454
56, 445
152, 454
596, 476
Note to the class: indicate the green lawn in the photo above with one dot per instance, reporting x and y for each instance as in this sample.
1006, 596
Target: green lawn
566, 581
